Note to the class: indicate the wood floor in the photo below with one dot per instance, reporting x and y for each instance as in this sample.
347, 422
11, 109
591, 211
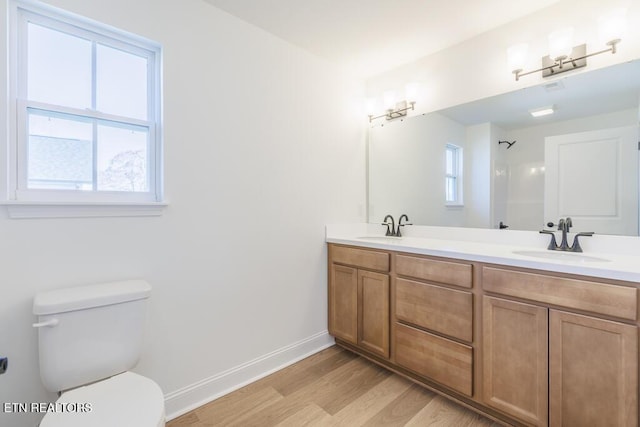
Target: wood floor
332, 388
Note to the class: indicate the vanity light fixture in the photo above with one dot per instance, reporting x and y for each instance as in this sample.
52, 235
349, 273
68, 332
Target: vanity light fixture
393, 108
400, 110
562, 56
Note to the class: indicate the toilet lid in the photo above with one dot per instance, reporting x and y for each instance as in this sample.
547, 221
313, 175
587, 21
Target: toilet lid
124, 400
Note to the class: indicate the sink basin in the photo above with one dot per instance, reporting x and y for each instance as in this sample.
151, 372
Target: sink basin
380, 239
562, 256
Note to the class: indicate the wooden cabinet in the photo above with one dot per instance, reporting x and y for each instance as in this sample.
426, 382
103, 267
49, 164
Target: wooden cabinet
593, 371
515, 370
522, 346
359, 298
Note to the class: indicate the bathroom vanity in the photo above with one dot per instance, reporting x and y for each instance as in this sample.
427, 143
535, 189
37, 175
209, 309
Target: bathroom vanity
523, 339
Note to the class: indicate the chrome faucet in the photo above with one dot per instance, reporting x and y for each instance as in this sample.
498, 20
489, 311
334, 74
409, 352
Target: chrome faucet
392, 231
400, 224
564, 225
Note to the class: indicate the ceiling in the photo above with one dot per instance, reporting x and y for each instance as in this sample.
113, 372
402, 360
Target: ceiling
369, 37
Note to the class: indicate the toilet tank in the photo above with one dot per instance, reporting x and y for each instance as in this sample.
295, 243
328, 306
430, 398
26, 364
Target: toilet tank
89, 333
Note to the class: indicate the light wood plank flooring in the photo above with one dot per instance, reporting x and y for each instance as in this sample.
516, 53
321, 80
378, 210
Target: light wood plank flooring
332, 388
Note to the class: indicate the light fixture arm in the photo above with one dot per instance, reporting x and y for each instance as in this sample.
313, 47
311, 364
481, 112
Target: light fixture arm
560, 62
400, 111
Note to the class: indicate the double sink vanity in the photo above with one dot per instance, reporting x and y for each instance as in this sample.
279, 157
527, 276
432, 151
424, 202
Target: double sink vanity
494, 321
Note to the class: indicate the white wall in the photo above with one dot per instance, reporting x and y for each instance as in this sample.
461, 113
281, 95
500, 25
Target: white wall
264, 145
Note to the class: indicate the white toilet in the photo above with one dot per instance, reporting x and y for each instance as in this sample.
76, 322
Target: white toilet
89, 337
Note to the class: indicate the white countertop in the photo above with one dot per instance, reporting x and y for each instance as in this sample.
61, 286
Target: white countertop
616, 261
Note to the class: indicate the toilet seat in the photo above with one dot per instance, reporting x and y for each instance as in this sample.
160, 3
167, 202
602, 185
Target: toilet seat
124, 400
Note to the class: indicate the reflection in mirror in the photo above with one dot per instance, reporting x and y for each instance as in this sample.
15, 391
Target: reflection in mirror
579, 162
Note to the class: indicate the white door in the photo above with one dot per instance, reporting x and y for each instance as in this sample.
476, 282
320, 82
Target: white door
592, 177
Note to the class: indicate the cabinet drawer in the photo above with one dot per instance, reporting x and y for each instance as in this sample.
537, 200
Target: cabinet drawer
596, 297
440, 309
450, 273
360, 258
442, 360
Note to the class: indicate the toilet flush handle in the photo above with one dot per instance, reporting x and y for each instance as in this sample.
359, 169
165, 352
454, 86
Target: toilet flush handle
47, 323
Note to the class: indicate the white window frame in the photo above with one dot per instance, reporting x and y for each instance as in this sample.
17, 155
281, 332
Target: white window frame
24, 202
456, 175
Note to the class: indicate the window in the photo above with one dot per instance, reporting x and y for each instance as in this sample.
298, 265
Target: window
453, 175
86, 102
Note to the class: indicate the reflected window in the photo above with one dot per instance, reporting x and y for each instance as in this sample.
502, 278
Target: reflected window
88, 110
453, 175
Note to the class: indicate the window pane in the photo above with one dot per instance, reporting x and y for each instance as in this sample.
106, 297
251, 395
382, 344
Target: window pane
121, 83
450, 189
60, 152
58, 68
122, 158
449, 162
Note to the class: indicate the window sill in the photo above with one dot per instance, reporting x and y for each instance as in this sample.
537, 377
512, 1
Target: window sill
23, 210
454, 205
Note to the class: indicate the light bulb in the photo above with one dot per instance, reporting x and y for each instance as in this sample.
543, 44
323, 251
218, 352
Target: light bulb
389, 99
612, 25
561, 43
411, 92
517, 56
370, 106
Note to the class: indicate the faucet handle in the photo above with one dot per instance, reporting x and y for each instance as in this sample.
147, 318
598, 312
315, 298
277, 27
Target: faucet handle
398, 233
388, 230
553, 245
575, 247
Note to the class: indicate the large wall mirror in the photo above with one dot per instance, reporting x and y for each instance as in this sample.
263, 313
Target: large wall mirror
579, 162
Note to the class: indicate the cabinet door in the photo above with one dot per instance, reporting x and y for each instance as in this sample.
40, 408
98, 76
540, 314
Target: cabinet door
594, 372
373, 312
515, 372
343, 303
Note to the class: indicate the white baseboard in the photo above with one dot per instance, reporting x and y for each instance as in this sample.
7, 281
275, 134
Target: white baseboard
188, 398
